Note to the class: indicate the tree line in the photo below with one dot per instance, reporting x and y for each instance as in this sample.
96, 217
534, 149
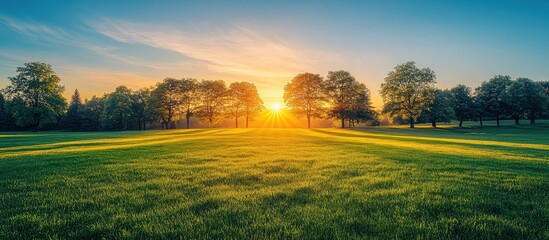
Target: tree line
34, 100
338, 96
409, 93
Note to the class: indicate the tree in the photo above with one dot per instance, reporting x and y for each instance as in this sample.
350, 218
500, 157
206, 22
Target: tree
118, 109
361, 108
140, 100
166, 99
73, 118
243, 100
190, 98
348, 98
305, 96
38, 95
463, 104
92, 113
479, 106
526, 98
440, 109
492, 95
545, 86
407, 90
6, 120
213, 95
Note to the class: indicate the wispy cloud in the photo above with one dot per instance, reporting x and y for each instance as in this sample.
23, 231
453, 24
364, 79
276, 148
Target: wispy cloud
48, 34
37, 31
238, 50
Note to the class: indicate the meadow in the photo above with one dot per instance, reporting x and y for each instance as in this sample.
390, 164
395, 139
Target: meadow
470, 183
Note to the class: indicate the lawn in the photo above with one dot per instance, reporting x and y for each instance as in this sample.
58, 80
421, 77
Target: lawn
489, 183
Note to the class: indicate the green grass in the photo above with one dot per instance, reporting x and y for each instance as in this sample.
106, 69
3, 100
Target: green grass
472, 183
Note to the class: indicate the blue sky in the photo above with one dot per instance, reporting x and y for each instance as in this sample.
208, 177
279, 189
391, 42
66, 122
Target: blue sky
97, 45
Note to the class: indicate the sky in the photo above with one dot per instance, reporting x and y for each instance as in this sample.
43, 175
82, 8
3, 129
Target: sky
97, 45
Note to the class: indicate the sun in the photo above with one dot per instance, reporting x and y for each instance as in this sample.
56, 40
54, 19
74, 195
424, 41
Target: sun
276, 107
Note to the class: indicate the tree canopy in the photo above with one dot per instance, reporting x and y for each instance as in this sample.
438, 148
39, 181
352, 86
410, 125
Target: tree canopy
348, 99
408, 90
213, 97
492, 95
34, 101
305, 96
243, 100
36, 95
462, 104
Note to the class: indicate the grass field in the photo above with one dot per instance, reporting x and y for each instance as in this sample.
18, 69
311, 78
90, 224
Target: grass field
489, 183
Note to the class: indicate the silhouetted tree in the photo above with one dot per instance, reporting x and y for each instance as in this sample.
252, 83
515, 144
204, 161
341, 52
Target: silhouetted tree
305, 96
118, 109
190, 98
526, 97
7, 122
479, 107
73, 118
545, 86
243, 100
36, 95
407, 90
361, 108
348, 98
491, 96
463, 104
139, 100
440, 109
213, 96
166, 99
92, 113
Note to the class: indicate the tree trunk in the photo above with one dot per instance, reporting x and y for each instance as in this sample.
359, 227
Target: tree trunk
533, 118
517, 120
236, 122
434, 123
497, 119
461, 122
308, 121
480, 121
188, 118
342, 122
412, 122
247, 117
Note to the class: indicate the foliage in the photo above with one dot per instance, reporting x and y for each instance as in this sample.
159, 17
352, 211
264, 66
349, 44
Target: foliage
407, 91
139, 107
190, 98
463, 104
243, 100
73, 119
166, 100
526, 97
440, 109
118, 109
305, 96
213, 97
492, 95
348, 98
36, 96
93, 113
6, 120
